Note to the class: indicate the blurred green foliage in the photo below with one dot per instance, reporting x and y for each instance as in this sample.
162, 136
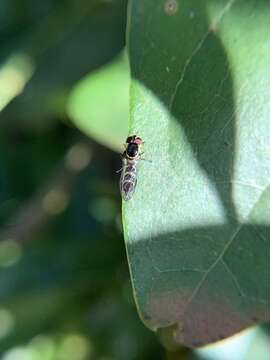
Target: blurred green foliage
108, 86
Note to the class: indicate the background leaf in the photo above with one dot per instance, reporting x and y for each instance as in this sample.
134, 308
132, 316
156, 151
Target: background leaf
99, 104
197, 227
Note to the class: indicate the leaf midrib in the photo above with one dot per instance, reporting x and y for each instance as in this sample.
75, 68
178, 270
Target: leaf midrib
214, 24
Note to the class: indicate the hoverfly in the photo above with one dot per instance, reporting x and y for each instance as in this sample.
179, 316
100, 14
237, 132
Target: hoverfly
130, 158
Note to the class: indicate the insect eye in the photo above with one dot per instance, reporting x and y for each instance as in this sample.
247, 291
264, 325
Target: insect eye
138, 141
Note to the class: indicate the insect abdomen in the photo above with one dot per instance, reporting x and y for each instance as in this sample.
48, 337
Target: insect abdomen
128, 181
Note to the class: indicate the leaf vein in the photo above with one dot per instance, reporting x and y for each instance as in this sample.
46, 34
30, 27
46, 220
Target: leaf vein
197, 49
219, 258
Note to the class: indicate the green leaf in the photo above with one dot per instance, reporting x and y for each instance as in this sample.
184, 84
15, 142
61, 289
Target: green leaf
99, 104
197, 227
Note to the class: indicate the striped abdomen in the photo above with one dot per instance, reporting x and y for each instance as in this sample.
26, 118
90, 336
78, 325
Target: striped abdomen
128, 180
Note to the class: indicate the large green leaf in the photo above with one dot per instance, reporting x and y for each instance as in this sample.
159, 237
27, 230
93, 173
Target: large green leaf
197, 228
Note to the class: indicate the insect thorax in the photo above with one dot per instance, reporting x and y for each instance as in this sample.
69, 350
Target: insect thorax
132, 150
